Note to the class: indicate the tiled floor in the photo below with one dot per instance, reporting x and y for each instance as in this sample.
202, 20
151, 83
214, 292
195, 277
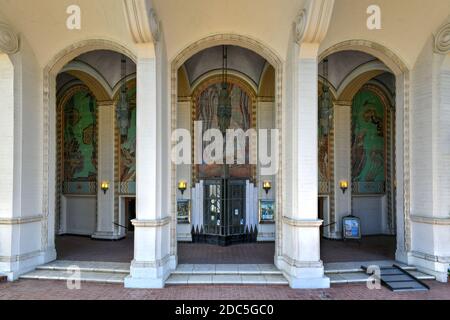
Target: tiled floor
57, 290
85, 249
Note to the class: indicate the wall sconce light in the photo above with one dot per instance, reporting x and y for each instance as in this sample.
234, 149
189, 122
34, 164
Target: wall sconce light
105, 186
267, 186
343, 185
182, 186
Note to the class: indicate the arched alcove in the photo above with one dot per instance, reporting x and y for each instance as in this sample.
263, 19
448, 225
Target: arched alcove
388, 61
268, 82
78, 73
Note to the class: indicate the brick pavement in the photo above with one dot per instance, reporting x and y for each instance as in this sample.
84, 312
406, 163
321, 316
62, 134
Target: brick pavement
56, 290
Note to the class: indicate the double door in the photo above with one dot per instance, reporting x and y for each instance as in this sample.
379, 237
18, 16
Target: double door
224, 207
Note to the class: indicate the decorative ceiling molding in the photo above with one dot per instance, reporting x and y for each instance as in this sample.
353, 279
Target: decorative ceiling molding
442, 39
142, 21
9, 39
312, 23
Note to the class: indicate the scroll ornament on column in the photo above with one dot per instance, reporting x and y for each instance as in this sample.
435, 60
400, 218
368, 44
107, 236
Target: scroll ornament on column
442, 40
9, 40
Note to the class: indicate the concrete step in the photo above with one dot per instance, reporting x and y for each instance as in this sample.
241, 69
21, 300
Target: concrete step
351, 272
85, 276
191, 274
227, 269
227, 274
99, 267
98, 272
362, 277
227, 279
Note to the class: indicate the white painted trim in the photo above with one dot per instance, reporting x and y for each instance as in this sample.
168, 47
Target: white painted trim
430, 220
22, 220
303, 223
151, 223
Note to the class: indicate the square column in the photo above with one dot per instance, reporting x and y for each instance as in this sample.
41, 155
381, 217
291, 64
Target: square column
106, 229
152, 262
429, 225
299, 258
342, 162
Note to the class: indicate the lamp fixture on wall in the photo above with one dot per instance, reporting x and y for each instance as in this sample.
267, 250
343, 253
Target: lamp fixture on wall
267, 186
343, 185
182, 186
105, 186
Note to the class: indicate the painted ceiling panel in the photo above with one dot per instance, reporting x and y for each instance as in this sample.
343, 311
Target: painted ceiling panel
239, 59
107, 63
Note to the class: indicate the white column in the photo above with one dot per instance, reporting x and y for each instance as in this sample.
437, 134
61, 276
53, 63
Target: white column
106, 229
9, 225
342, 163
299, 258
429, 248
152, 262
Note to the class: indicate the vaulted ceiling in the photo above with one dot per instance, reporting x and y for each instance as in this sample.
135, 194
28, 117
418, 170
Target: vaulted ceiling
240, 60
102, 64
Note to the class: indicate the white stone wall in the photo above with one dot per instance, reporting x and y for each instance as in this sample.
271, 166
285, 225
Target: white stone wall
78, 215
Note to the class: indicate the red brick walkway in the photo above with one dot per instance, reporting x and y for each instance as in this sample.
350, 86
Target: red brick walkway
54, 290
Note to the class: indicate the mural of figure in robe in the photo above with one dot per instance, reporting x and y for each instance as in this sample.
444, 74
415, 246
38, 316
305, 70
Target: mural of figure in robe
325, 127
368, 143
241, 118
80, 143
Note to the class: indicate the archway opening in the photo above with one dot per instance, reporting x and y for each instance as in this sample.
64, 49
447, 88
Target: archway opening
357, 157
95, 157
225, 216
